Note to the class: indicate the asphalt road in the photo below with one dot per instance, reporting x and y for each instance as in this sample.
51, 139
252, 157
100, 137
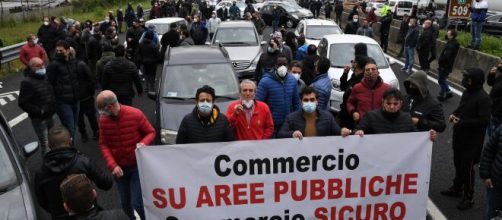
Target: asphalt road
442, 162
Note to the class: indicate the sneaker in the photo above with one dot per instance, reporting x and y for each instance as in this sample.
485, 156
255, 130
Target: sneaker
404, 69
451, 192
465, 204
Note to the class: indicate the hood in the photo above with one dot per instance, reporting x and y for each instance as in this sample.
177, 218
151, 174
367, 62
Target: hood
477, 77
243, 53
418, 79
60, 160
12, 206
172, 113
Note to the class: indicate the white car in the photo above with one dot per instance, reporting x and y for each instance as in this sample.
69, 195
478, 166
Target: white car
228, 4
315, 29
339, 49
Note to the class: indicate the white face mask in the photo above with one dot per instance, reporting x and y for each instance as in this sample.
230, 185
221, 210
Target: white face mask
355, 20
296, 75
46, 23
282, 71
248, 104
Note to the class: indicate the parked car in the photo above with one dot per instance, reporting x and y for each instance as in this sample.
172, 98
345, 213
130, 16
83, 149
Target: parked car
243, 44
228, 4
339, 49
315, 29
401, 7
492, 26
16, 198
186, 69
290, 15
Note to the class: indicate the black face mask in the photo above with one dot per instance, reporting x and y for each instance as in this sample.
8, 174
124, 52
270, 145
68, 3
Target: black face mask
465, 83
391, 115
413, 91
499, 69
59, 56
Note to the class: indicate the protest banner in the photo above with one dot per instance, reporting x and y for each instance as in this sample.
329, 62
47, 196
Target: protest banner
326, 178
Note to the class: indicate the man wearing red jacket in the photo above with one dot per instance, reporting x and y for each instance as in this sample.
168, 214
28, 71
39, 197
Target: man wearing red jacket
31, 50
367, 95
250, 119
122, 130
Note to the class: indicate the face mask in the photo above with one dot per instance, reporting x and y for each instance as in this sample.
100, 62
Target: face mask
205, 108
214, 16
46, 23
423, 25
59, 56
409, 24
282, 71
465, 83
435, 22
40, 72
195, 20
247, 104
413, 91
104, 113
296, 75
309, 107
354, 20
271, 50
390, 114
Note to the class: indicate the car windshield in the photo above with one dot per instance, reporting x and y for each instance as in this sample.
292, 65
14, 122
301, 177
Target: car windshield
236, 36
183, 80
316, 32
7, 174
160, 28
340, 55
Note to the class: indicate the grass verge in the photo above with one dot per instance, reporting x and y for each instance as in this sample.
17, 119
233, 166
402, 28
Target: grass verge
489, 43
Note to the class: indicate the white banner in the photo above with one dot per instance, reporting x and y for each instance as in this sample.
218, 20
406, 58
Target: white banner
326, 178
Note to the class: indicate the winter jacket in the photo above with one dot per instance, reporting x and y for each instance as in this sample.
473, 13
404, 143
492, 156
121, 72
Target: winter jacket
59, 163
198, 32
325, 124
135, 34
301, 53
265, 63
351, 28
47, 37
63, 76
365, 31
249, 9
308, 70
403, 31
411, 38
171, 39
235, 12
448, 55
119, 135
100, 65
86, 85
212, 24
222, 13
424, 106
36, 96
194, 129
147, 53
94, 49
496, 93
286, 50
365, 98
259, 25
490, 165
260, 126
474, 112
97, 213
425, 40
322, 85
281, 95
119, 76
27, 52
378, 122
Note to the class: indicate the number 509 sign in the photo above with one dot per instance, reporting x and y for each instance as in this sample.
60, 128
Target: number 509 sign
459, 9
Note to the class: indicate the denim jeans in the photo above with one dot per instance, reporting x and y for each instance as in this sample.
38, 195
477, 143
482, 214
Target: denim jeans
275, 26
443, 81
41, 127
493, 201
129, 188
476, 28
87, 109
68, 115
409, 54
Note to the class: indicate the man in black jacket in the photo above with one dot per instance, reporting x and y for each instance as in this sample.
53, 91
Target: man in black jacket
36, 97
205, 123
352, 25
61, 161
267, 59
133, 35
94, 49
79, 195
445, 62
384, 30
403, 30
495, 81
119, 76
424, 46
171, 38
63, 74
338, 12
309, 121
470, 120
490, 170
426, 112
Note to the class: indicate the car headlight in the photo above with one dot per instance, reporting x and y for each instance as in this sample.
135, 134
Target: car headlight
295, 16
336, 84
394, 84
168, 136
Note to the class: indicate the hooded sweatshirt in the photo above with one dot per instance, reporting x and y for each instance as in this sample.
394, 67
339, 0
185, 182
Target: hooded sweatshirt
422, 105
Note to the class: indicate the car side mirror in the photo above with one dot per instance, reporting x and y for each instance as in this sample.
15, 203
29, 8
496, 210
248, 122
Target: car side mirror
152, 95
30, 148
263, 43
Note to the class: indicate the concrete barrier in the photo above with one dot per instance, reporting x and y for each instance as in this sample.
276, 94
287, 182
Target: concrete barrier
465, 58
37, 14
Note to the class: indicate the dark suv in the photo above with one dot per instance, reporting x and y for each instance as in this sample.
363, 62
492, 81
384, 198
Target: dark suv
186, 69
16, 200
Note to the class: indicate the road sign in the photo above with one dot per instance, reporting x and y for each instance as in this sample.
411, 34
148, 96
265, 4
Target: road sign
459, 9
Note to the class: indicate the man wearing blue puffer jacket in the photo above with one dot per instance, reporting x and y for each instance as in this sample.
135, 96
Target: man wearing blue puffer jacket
279, 90
322, 83
478, 17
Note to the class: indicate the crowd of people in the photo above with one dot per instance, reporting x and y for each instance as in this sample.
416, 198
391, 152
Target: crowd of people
288, 98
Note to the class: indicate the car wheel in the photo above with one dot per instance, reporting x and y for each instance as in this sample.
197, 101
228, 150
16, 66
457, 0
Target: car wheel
289, 24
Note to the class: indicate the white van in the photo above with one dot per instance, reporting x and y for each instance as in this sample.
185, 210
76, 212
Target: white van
401, 7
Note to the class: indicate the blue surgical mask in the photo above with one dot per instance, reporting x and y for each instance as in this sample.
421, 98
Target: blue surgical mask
205, 108
40, 72
104, 112
309, 107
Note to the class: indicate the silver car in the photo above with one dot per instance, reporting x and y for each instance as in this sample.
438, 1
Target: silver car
243, 44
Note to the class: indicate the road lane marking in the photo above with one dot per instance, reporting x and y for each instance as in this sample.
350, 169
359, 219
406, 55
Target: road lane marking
434, 211
8, 97
18, 119
432, 79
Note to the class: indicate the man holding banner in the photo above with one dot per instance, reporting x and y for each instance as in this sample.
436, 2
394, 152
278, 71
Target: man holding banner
250, 119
